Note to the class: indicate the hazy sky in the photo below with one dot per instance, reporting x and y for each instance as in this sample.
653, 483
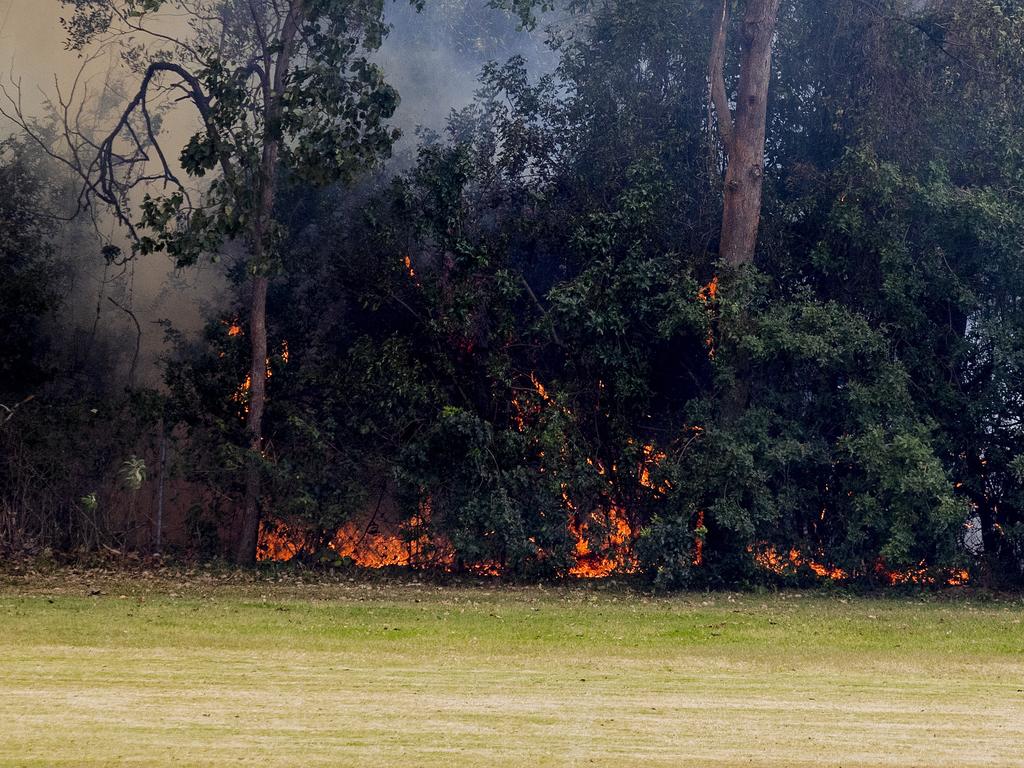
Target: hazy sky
30, 35
432, 58
430, 74
32, 51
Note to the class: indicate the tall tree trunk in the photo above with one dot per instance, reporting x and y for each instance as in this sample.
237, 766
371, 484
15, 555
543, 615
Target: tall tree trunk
743, 131
254, 420
273, 92
249, 537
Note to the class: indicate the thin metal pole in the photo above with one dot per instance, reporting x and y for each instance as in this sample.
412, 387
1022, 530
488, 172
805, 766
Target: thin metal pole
160, 490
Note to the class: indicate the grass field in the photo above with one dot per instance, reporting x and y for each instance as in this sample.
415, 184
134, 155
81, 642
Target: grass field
204, 670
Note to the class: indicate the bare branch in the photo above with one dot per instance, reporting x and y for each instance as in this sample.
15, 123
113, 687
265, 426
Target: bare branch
138, 340
110, 189
11, 410
716, 76
543, 310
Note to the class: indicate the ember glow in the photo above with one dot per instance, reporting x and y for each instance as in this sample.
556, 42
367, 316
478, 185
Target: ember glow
241, 395
409, 269
922, 575
698, 540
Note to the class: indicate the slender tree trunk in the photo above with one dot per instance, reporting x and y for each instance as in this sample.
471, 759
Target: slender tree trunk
249, 537
273, 92
254, 423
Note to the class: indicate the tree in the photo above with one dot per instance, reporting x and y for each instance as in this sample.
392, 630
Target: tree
574, 188
742, 130
903, 145
28, 270
284, 91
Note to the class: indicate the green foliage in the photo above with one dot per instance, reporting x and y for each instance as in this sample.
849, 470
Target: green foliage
63, 472
485, 491
524, 328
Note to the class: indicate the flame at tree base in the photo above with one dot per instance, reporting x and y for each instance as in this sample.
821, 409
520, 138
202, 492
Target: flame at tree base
615, 555
414, 546
369, 545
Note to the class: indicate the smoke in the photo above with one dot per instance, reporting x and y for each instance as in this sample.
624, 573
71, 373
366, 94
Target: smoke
38, 71
432, 57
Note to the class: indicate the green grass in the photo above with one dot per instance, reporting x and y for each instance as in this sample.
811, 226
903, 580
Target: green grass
200, 670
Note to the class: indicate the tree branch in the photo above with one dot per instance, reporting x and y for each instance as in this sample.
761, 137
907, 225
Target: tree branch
716, 77
138, 340
543, 311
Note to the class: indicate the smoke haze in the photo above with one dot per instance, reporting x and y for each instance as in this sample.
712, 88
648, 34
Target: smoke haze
433, 58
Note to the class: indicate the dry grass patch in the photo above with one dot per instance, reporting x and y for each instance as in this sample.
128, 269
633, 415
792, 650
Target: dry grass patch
203, 670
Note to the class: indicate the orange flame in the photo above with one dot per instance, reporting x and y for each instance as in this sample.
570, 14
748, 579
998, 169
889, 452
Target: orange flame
603, 540
616, 552
414, 546
788, 563
709, 292
241, 395
367, 545
279, 542
922, 575
652, 457
698, 540
707, 296
409, 270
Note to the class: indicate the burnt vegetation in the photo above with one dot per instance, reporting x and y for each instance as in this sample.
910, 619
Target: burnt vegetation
724, 293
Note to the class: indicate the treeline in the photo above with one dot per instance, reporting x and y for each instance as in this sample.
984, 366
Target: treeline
528, 343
